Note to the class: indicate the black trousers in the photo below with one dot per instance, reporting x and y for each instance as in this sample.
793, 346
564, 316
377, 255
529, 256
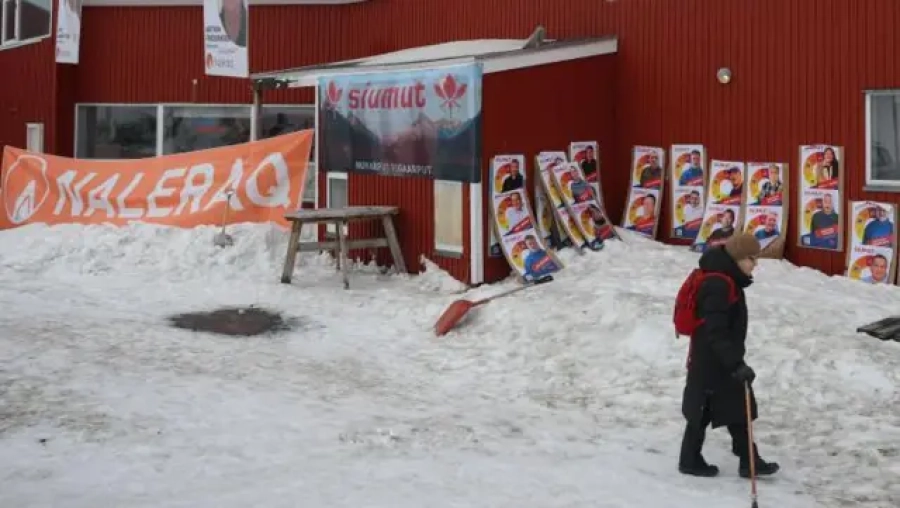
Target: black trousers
695, 435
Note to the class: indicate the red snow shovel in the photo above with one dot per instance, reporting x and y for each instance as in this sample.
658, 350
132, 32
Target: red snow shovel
458, 309
753, 503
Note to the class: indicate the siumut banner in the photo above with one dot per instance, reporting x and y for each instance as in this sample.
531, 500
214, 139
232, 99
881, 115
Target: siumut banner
265, 179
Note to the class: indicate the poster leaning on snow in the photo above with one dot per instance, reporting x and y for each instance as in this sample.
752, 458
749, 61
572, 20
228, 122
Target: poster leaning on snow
580, 201
766, 199
545, 161
871, 256
724, 200
586, 154
507, 175
543, 213
226, 30
646, 189
514, 225
819, 197
688, 187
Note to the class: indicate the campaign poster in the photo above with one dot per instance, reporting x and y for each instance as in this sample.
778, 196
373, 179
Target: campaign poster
719, 224
726, 183
641, 214
820, 196
688, 188
226, 32
507, 174
587, 155
581, 203
543, 215
766, 223
767, 200
546, 161
871, 256
529, 256
646, 188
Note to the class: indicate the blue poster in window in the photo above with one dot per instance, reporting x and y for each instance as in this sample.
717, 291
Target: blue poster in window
424, 123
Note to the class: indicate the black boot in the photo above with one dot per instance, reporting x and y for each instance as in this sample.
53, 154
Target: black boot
763, 468
691, 461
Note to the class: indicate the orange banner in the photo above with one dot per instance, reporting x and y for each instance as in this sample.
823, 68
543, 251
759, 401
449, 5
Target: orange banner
264, 178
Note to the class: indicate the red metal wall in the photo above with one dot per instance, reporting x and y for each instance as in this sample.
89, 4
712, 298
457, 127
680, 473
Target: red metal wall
545, 108
799, 66
27, 92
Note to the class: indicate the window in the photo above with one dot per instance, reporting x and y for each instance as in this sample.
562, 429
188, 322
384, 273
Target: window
276, 120
115, 132
34, 137
883, 139
24, 20
448, 218
188, 128
337, 194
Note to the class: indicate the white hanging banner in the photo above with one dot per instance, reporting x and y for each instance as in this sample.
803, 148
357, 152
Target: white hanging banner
68, 31
226, 32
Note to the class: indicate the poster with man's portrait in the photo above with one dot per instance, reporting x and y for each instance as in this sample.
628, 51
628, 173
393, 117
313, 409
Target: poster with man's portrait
872, 254
226, 31
547, 163
820, 197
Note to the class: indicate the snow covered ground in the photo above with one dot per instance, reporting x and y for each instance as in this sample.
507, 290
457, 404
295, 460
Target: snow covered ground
565, 395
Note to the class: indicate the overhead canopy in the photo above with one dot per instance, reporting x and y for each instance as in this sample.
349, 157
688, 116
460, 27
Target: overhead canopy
495, 55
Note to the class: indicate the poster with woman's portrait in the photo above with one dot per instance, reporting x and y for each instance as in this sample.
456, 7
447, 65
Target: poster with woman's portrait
820, 197
719, 224
726, 183
820, 220
642, 213
766, 223
647, 167
688, 177
546, 162
587, 155
529, 256
872, 254
507, 175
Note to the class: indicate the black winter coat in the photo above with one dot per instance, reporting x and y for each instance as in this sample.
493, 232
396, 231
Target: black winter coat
717, 346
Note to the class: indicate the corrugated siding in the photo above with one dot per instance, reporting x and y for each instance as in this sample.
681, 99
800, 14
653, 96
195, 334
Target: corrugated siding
799, 66
27, 92
545, 108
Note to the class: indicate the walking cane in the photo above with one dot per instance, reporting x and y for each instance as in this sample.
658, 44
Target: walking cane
753, 503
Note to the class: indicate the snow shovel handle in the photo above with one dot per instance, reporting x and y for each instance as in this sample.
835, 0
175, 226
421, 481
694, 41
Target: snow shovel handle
511, 291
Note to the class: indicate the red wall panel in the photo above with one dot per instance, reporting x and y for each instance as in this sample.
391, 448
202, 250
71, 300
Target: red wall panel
27, 92
799, 66
545, 108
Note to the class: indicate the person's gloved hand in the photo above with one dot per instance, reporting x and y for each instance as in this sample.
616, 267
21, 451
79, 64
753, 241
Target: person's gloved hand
744, 374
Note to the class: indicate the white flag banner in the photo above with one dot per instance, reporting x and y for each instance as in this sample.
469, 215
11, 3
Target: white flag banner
68, 31
226, 31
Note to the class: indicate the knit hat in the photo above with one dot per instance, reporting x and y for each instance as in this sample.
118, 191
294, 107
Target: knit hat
742, 246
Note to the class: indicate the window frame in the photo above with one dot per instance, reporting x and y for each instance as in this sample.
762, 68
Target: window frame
331, 175
873, 184
16, 42
161, 129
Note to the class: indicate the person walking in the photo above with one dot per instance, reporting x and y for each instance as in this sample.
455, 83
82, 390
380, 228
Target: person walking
717, 372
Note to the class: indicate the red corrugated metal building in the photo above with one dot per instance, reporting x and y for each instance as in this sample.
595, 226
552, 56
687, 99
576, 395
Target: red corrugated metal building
800, 72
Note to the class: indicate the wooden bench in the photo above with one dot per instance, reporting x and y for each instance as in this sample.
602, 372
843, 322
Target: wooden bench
341, 217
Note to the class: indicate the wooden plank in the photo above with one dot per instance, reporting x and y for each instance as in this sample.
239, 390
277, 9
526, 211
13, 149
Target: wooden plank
391, 233
347, 213
290, 260
345, 253
368, 243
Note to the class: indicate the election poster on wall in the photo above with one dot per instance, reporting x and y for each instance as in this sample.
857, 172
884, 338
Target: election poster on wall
546, 224
514, 225
766, 201
226, 31
423, 123
688, 188
68, 31
646, 190
872, 255
507, 174
587, 155
819, 197
567, 224
724, 200
580, 201
260, 181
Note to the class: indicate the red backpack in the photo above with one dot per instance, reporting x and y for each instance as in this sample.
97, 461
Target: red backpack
685, 316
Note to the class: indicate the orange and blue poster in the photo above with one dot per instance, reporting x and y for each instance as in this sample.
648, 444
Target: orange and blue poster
872, 255
724, 200
820, 194
645, 196
766, 200
688, 179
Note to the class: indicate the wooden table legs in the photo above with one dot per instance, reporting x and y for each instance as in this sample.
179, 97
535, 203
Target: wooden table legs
291, 259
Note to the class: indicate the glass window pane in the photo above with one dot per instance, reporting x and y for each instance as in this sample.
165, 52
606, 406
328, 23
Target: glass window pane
9, 20
337, 193
277, 120
36, 18
885, 137
189, 128
309, 191
115, 132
